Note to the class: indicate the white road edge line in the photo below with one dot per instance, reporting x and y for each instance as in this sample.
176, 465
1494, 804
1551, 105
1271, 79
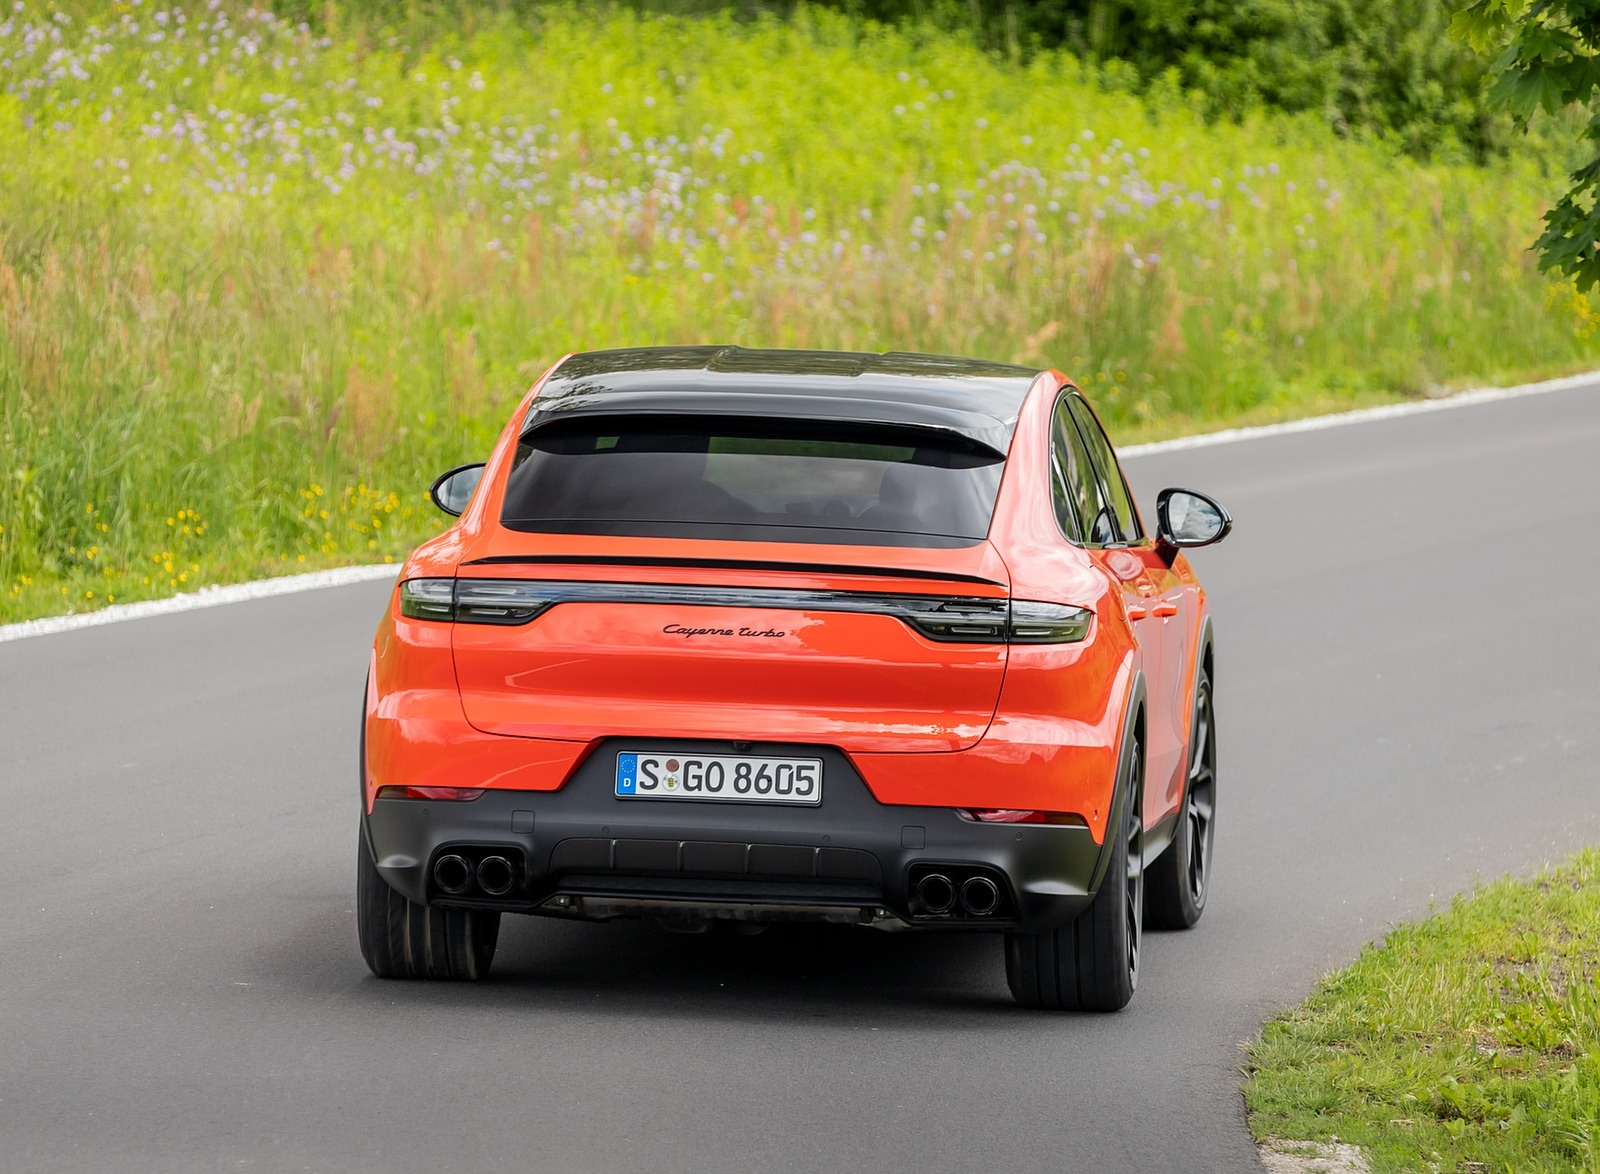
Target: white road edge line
342, 576
1463, 399
205, 597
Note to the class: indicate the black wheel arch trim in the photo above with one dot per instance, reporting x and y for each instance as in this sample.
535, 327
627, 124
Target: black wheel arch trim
1203, 651
1133, 711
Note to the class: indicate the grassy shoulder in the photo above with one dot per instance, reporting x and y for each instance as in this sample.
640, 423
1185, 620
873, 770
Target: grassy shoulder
1467, 1042
260, 282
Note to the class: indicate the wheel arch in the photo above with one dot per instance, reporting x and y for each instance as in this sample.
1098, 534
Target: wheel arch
1204, 662
1134, 734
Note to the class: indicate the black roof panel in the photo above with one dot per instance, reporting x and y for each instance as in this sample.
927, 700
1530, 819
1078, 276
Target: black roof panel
973, 398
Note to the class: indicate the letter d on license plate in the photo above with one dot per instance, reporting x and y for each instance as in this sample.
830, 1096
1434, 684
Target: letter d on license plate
721, 777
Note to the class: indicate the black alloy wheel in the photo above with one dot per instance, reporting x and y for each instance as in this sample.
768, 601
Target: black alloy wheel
1181, 878
1092, 964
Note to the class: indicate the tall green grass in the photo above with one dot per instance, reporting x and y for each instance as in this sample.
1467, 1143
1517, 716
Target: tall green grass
258, 283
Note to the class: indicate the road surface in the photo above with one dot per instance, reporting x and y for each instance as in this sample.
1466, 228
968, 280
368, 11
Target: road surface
1408, 633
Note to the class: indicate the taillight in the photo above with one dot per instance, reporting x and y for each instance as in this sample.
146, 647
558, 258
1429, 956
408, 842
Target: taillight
473, 601
953, 620
1010, 815
442, 794
428, 599
994, 621
1047, 623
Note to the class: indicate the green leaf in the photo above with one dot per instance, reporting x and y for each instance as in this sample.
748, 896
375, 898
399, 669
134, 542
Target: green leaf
1522, 92
1479, 28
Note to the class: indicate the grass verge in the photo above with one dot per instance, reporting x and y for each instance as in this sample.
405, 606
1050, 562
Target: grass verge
259, 281
1468, 1042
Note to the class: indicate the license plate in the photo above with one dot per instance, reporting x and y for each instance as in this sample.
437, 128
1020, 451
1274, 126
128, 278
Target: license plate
729, 778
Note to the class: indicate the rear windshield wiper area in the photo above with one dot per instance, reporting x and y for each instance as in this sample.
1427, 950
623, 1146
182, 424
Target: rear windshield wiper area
753, 479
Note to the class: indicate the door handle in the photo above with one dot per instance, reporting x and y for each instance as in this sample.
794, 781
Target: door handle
1165, 609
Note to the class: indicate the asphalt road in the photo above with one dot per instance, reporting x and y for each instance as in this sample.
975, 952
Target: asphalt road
1408, 631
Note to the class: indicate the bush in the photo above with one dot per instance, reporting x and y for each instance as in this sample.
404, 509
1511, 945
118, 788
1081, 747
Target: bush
1378, 66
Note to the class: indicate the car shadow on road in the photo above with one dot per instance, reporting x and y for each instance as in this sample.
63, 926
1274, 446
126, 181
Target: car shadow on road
796, 969
790, 972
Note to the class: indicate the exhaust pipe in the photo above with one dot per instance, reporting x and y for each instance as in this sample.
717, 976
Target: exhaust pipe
496, 876
453, 874
979, 896
935, 893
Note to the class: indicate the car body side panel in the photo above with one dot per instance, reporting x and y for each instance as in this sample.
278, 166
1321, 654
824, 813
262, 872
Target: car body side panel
417, 734
1173, 714
1052, 747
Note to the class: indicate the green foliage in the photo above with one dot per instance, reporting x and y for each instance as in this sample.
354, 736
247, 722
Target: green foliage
1470, 1041
1384, 66
259, 282
1549, 59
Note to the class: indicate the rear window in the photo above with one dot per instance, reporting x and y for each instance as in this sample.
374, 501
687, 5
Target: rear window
752, 479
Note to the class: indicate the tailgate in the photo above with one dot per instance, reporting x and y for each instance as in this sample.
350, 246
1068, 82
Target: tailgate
871, 671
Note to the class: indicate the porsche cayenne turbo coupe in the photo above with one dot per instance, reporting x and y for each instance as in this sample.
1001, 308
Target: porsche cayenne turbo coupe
758, 636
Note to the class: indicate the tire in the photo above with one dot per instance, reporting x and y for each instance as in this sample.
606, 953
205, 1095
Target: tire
1092, 964
401, 939
1181, 877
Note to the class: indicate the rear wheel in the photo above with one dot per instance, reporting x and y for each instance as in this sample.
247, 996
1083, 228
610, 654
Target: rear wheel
1181, 877
401, 939
1093, 963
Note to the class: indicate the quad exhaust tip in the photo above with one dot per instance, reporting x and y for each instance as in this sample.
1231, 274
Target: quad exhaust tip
935, 893
453, 874
496, 875
979, 896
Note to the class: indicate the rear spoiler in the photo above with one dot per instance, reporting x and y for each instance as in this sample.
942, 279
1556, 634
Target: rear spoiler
732, 564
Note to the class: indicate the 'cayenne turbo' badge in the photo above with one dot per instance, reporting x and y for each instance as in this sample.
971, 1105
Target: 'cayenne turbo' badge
690, 633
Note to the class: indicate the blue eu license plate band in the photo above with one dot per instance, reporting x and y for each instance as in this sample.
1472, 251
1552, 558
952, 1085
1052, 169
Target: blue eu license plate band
627, 774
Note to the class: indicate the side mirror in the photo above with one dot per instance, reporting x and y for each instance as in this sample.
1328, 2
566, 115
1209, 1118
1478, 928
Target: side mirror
453, 491
1185, 518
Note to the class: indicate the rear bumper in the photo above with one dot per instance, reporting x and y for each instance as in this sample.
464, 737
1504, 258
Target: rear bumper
582, 852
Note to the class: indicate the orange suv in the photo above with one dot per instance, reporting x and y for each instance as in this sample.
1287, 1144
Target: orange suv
730, 635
